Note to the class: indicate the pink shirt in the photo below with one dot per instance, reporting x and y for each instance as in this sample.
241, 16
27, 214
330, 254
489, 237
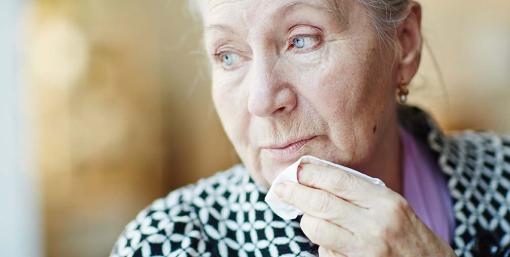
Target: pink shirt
425, 187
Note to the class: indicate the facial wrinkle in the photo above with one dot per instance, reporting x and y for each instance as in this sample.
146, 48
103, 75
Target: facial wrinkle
220, 3
341, 10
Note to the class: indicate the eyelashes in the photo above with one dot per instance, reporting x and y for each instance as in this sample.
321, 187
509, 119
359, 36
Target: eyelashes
228, 59
303, 39
304, 43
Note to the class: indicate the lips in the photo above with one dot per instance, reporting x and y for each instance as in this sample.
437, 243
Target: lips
288, 151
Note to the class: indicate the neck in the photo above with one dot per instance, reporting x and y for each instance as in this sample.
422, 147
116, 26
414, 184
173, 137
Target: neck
386, 163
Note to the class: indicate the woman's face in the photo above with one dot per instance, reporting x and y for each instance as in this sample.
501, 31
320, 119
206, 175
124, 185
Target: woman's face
297, 77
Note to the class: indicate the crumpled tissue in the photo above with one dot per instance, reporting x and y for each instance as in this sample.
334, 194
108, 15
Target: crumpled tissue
289, 212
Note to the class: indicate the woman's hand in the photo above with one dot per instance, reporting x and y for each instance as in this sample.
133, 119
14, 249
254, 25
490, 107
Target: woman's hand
347, 216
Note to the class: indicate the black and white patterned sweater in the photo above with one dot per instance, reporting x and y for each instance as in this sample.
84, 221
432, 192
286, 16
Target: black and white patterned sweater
225, 215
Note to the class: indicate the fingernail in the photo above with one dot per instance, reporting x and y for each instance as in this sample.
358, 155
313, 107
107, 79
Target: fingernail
280, 188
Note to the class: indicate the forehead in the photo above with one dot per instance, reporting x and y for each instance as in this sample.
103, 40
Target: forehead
251, 11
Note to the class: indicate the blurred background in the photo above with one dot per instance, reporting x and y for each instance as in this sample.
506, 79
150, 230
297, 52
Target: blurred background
105, 106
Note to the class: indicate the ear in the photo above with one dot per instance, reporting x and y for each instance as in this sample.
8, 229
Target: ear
409, 42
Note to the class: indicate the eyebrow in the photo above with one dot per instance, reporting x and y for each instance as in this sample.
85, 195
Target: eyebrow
219, 27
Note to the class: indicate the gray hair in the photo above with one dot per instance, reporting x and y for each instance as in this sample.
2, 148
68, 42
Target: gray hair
386, 15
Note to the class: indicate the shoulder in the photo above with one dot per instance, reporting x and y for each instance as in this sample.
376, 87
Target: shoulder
171, 225
477, 165
462, 154
472, 152
477, 169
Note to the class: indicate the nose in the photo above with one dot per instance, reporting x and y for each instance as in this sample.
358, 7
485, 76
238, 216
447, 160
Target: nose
269, 92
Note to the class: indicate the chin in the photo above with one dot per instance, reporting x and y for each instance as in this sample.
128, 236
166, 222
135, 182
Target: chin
267, 173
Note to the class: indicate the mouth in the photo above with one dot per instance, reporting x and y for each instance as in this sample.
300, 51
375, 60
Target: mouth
288, 151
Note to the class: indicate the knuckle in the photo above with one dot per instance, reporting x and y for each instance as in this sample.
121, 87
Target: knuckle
388, 233
394, 206
381, 231
396, 210
323, 203
337, 183
346, 183
398, 207
380, 249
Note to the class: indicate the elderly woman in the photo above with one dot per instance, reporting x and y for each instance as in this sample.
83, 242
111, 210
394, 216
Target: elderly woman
329, 78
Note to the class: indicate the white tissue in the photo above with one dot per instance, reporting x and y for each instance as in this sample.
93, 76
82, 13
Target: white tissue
288, 212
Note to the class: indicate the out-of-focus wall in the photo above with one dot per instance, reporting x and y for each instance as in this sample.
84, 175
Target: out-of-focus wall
471, 42
122, 111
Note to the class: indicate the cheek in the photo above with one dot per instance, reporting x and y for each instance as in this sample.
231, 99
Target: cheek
338, 91
223, 104
228, 101
357, 87
353, 97
338, 84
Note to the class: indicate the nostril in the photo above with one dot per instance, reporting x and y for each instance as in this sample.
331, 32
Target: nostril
281, 109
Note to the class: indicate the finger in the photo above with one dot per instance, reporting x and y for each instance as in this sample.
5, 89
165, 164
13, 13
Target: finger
321, 204
340, 183
325, 252
327, 235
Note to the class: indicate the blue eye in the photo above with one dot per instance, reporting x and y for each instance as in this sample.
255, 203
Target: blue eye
228, 59
304, 42
298, 42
